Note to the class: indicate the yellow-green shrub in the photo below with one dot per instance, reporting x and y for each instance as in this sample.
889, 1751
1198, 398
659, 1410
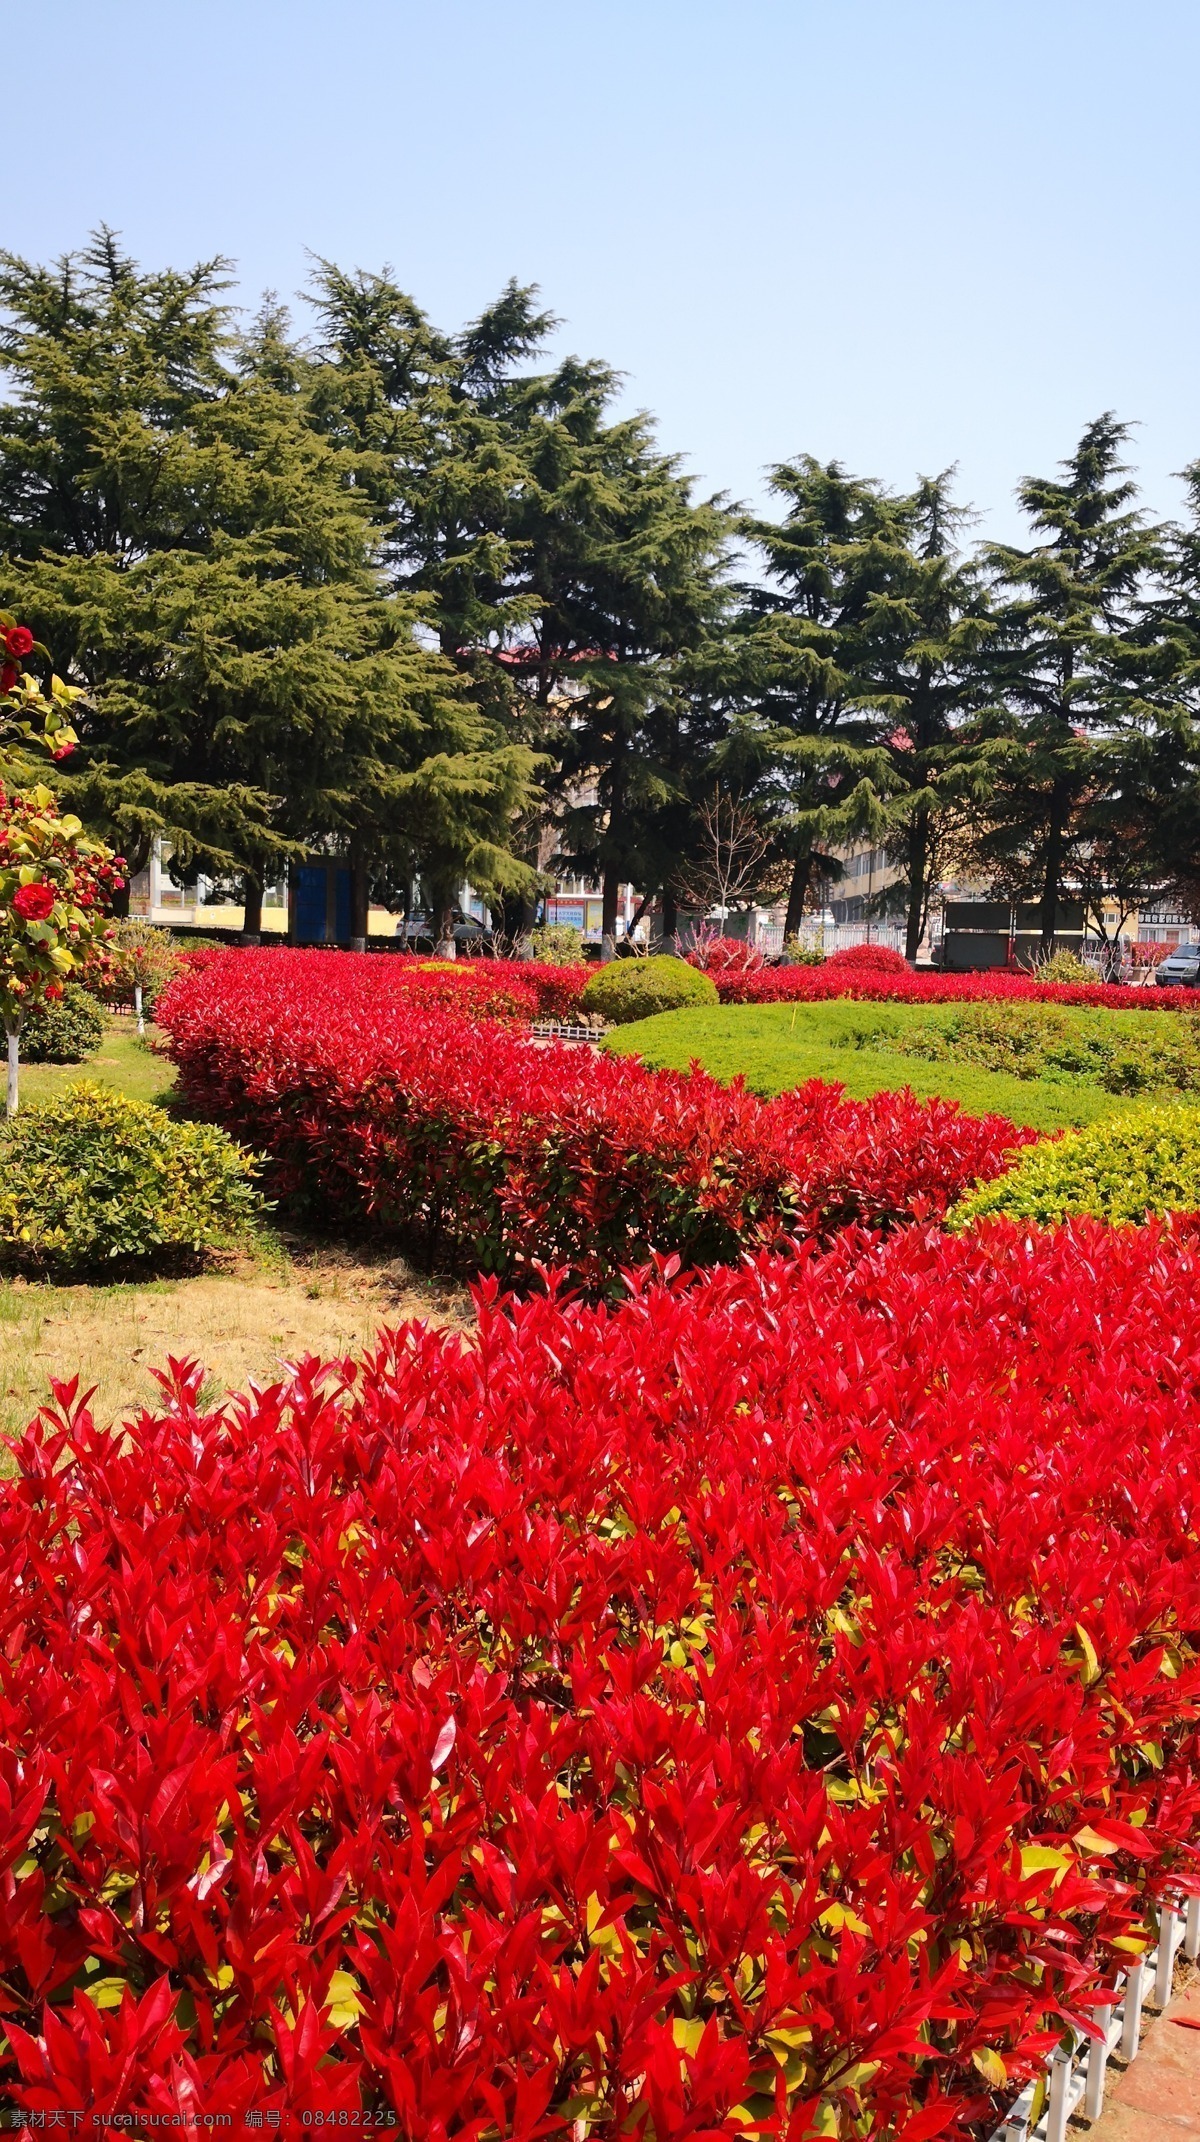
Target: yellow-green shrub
628, 989
93, 1181
1145, 1160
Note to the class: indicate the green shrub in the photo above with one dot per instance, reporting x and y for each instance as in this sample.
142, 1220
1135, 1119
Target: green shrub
143, 957
1132, 1055
96, 1182
1018, 1038
65, 1031
628, 989
1144, 1160
1062, 966
558, 944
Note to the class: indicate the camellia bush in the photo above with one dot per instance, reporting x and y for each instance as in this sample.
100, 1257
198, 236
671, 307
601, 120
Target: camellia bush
29, 714
557, 944
494, 1153
56, 889
768, 1708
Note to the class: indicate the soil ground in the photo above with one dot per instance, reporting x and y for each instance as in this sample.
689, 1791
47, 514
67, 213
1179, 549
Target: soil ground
293, 1296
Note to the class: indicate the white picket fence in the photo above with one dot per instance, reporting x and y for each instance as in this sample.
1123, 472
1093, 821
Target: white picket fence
1073, 2080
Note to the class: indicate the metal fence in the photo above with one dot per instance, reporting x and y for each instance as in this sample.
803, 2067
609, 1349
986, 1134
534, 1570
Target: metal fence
832, 936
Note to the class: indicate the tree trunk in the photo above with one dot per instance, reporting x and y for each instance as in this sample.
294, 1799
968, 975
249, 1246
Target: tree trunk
1053, 872
359, 901
120, 901
917, 873
797, 894
670, 920
252, 899
12, 1027
608, 916
638, 915
444, 945
138, 1012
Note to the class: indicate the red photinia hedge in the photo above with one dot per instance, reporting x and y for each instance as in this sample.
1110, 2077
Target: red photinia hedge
768, 1707
486, 988
501, 1155
527, 989
870, 958
716, 955
837, 977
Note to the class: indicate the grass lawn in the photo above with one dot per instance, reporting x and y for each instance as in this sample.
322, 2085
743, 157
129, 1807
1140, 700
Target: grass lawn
295, 1296
776, 1046
122, 1061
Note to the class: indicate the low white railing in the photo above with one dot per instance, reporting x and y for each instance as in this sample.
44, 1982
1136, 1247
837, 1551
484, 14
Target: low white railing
564, 1030
1073, 2079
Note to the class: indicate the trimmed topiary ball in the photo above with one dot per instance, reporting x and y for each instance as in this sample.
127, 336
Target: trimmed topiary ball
628, 989
93, 1182
66, 1030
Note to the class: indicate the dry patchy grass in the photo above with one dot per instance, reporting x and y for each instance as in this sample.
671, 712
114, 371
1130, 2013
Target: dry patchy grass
248, 1321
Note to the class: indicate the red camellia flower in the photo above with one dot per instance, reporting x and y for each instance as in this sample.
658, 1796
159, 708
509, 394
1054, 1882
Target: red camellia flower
33, 902
9, 677
18, 640
64, 751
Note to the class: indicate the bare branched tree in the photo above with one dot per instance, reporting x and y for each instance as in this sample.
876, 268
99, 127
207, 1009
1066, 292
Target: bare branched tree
732, 861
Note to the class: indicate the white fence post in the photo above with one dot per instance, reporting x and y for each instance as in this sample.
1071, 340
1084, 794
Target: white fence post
1075, 2076
1093, 2100
1132, 2022
1059, 2106
1168, 1941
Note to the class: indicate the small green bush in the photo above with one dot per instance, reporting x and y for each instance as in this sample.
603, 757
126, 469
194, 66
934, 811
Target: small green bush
1146, 1160
558, 944
96, 1182
65, 1030
143, 957
628, 989
1063, 966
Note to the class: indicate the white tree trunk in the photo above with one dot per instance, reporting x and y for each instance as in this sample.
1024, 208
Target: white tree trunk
12, 1028
137, 1005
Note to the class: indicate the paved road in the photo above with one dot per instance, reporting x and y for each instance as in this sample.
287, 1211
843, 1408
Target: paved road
1157, 2099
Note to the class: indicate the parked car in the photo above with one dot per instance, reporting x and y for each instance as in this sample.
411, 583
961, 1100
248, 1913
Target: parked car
1180, 969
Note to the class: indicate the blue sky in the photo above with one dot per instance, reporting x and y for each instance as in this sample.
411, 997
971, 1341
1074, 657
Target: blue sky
904, 234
